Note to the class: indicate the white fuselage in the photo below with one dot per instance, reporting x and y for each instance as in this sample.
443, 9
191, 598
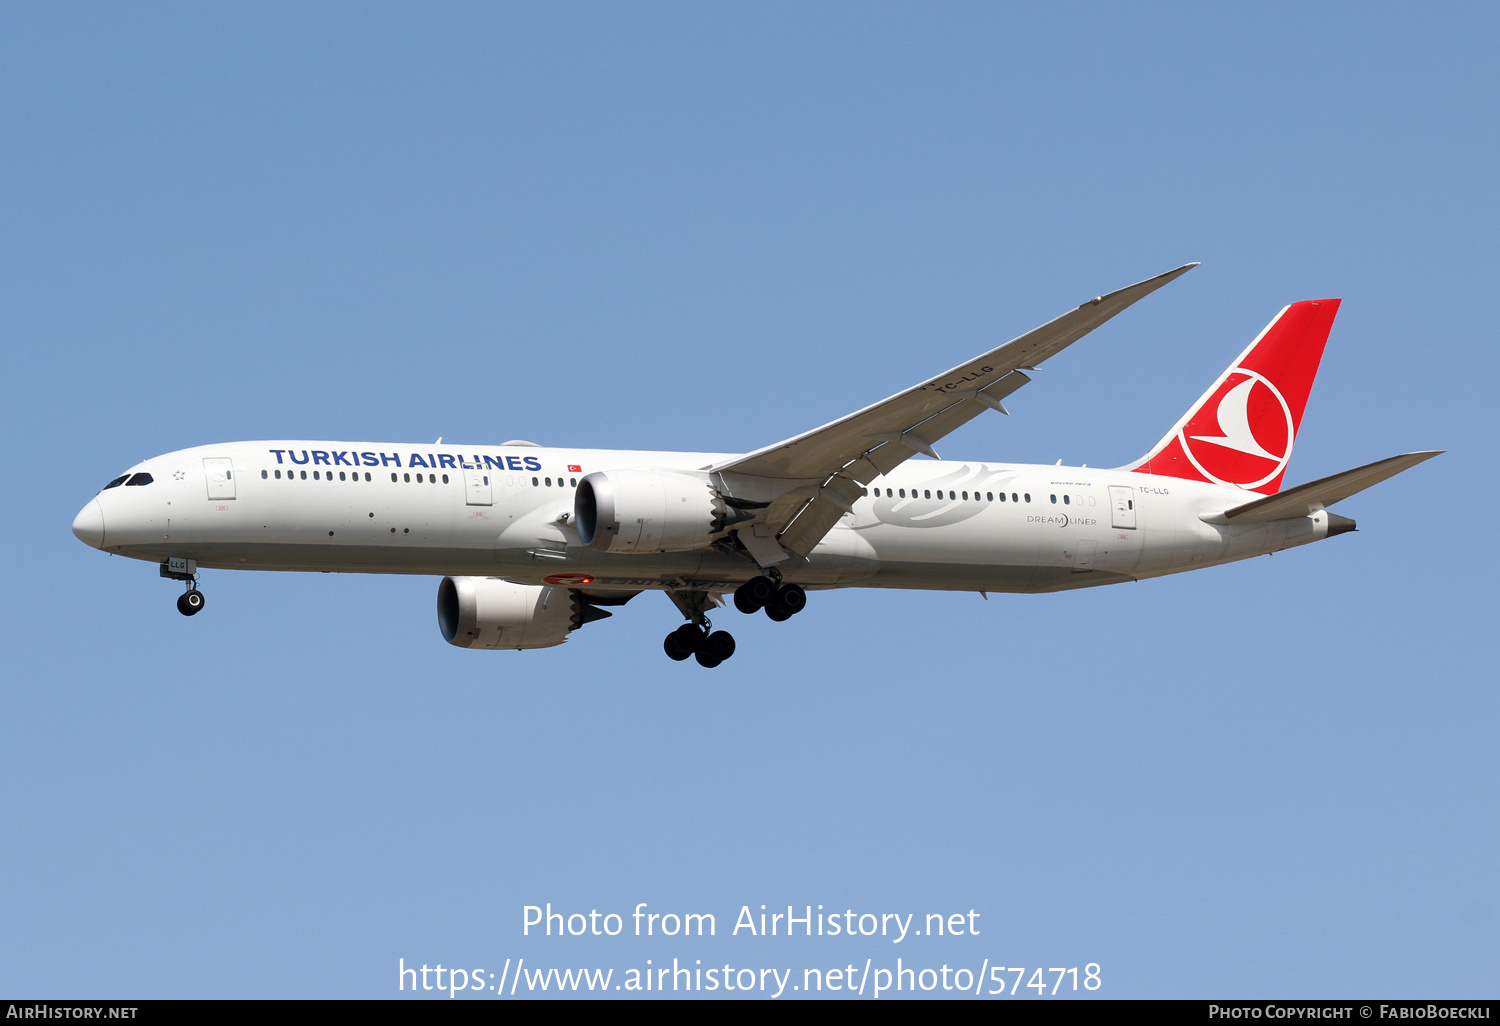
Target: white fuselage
505, 511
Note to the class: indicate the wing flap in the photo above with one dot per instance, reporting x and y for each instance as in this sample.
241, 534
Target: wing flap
820, 513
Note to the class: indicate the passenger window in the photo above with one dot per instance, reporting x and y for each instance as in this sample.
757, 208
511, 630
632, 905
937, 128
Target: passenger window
304, 474
229, 475
1028, 496
888, 494
1067, 501
138, 479
929, 494
549, 482
117, 482
572, 482
393, 479
406, 478
278, 475
534, 484
315, 476
1054, 500
445, 479
341, 475
486, 479
367, 475
903, 493
966, 496
264, 475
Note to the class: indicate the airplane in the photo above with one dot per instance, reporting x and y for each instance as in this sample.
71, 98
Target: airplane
534, 542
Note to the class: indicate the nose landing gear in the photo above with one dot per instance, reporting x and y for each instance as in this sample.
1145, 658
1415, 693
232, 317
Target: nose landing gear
190, 602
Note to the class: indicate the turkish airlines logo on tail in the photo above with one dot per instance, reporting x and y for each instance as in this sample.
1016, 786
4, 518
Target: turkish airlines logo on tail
1243, 434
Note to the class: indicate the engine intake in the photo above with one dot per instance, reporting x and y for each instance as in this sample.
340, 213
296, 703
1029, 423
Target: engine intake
648, 511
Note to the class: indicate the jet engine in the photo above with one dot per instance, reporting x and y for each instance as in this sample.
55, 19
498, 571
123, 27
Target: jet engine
648, 511
486, 612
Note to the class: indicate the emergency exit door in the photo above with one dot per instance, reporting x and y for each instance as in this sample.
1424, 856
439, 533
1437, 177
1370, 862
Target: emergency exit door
1122, 499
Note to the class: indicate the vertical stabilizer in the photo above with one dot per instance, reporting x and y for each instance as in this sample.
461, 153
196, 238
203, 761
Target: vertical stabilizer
1241, 431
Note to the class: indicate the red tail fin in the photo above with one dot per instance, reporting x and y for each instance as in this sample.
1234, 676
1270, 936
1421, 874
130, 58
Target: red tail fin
1242, 429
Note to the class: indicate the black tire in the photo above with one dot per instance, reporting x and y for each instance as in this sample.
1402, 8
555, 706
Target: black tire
719, 645
675, 652
754, 594
791, 596
707, 660
778, 612
190, 603
689, 638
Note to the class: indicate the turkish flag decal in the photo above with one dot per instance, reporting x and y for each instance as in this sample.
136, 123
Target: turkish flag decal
573, 468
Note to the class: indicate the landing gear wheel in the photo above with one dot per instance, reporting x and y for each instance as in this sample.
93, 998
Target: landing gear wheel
719, 645
190, 602
754, 594
675, 651
707, 660
788, 601
683, 642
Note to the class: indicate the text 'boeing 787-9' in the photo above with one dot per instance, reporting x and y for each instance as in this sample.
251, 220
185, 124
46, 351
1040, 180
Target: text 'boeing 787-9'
535, 542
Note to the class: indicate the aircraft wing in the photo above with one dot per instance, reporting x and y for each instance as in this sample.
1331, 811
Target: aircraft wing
828, 465
1307, 499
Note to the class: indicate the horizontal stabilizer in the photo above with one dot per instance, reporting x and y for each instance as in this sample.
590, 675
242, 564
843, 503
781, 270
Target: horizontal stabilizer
1307, 499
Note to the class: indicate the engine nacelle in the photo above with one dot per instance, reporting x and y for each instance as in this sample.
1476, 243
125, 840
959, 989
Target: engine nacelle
486, 612
648, 511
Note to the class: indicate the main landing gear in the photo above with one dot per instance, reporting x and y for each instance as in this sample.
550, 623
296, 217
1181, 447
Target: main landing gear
780, 601
708, 646
190, 602
699, 640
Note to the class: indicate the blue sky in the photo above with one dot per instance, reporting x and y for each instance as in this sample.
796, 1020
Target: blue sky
710, 227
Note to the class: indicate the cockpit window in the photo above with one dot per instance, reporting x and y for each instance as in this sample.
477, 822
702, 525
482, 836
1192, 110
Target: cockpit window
142, 478
117, 482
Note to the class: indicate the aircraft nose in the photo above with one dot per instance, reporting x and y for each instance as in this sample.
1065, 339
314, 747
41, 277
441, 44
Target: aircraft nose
88, 525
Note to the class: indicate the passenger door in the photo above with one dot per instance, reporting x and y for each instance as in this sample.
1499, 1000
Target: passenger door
478, 491
219, 473
1122, 503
